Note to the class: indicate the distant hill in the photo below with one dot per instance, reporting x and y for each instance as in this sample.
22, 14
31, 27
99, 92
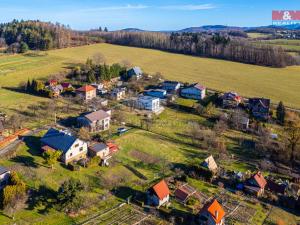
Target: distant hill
210, 28
132, 30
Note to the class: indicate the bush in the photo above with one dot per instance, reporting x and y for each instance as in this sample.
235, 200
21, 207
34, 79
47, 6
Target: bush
96, 160
73, 167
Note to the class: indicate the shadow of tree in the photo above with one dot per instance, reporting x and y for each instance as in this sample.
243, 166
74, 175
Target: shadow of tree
25, 160
43, 198
33, 143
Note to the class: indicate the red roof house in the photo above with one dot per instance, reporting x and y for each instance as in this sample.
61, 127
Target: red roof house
159, 194
87, 92
256, 184
212, 213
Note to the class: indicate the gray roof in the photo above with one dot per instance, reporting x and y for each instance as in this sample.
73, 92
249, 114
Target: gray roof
3, 170
98, 147
97, 115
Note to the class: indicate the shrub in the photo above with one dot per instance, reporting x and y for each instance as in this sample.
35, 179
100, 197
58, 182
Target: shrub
73, 167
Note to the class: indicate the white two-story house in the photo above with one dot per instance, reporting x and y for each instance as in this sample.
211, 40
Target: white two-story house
95, 121
149, 103
72, 148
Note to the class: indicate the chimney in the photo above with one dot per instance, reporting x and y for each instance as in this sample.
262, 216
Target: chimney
216, 214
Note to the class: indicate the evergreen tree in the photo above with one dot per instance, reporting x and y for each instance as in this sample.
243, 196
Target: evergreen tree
280, 113
23, 47
91, 77
105, 29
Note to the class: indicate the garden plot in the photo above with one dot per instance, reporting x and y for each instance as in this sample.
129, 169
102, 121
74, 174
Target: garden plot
236, 209
124, 214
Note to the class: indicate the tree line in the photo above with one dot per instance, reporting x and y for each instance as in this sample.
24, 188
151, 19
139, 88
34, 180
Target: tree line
19, 36
221, 46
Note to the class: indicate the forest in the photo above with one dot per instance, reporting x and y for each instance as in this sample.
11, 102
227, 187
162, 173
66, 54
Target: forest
20, 36
217, 45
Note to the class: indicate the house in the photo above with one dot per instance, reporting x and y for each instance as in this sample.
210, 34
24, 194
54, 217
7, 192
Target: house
56, 90
259, 108
149, 103
53, 82
67, 86
256, 184
87, 92
133, 73
212, 213
159, 194
101, 150
118, 94
194, 91
4, 177
276, 187
184, 192
112, 147
171, 86
210, 164
72, 148
159, 93
95, 121
231, 100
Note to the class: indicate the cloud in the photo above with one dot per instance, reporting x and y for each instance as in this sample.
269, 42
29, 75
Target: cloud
115, 8
189, 7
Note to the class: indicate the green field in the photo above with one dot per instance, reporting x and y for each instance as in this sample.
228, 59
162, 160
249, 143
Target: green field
248, 80
289, 45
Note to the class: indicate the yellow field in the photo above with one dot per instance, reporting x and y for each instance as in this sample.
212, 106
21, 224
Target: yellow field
248, 80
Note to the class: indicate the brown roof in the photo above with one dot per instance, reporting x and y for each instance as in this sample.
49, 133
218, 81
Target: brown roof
260, 180
161, 189
181, 194
86, 88
97, 115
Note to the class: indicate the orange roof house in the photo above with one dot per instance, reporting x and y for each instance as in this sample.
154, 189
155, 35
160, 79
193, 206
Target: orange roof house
87, 92
212, 213
159, 193
256, 184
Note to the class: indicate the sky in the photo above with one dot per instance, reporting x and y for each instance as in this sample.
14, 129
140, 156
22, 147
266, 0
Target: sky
145, 14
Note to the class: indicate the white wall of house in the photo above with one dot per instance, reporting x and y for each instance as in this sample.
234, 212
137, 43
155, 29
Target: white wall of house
149, 103
4, 179
78, 149
193, 93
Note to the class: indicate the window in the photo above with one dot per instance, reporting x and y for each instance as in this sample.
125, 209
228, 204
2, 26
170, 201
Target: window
81, 149
76, 145
71, 154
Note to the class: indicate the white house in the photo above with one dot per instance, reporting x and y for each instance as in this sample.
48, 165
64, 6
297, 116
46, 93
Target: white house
101, 150
95, 121
118, 94
149, 103
195, 91
4, 177
159, 194
72, 148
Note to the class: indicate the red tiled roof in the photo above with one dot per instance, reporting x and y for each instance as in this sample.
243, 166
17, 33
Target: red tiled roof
260, 180
112, 147
215, 210
161, 189
86, 88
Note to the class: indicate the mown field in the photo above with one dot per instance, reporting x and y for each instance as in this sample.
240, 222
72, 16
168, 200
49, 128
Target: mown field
248, 80
290, 45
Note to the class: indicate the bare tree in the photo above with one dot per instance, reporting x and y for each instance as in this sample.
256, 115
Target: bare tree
99, 58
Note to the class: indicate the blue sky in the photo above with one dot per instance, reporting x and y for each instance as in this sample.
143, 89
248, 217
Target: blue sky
145, 14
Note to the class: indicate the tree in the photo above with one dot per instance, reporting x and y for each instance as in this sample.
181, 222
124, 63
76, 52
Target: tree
105, 29
280, 113
292, 132
51, 157
84, 134
99, 58
68, 197
23, 47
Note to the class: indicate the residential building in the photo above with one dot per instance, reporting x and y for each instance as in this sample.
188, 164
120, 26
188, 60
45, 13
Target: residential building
259, 108
87, 92
171, 86
95, 121
210, 164
256, 184
231, 100
133, 73
159, 194
53, 82
56, 90
159, 93
4, 177
72, 148
67, 86
212, 213
149, 103
194, 91
118, 94
113, 147
101, 150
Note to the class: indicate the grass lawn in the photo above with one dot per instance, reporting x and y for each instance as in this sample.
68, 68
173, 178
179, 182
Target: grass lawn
248, 80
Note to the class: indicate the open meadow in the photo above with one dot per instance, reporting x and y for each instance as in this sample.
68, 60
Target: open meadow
249, 80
